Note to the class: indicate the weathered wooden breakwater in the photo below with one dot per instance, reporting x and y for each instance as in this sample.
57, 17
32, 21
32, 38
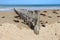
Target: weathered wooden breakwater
31, 18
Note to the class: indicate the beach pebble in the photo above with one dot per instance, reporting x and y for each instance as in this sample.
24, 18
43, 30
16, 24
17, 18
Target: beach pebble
55, 34
43, 25
57, 9
16, 16
44, 11
58, 22
3, 17
46, 22
42, 14
58, 16
16, 21
55, 12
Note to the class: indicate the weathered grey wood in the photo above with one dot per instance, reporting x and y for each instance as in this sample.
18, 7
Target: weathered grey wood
30, 17
37, 23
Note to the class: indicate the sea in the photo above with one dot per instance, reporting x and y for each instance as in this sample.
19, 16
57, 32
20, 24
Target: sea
29, 7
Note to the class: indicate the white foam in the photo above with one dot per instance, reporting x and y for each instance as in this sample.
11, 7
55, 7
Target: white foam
28, 8
5, 9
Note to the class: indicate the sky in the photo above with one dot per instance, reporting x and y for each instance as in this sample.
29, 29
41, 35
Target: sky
29, 1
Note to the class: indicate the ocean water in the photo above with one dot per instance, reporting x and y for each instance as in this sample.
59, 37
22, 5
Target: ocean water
29, 7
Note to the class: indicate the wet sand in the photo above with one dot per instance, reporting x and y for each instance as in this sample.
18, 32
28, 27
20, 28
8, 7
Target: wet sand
12, 28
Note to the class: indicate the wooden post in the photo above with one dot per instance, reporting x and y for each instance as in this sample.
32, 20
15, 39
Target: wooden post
38, 18
37, 26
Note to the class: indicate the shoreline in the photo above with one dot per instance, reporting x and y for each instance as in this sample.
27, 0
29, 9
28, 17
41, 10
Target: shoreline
10, 9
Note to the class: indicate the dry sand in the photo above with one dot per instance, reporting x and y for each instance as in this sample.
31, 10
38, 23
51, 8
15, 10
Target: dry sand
10, 30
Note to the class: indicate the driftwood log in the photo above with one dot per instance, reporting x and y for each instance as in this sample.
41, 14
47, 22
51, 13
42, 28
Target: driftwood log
30, 18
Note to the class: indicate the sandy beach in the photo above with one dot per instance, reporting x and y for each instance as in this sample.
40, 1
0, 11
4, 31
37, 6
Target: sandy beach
12, 30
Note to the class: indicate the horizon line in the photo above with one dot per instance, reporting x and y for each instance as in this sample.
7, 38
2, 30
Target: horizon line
30, 4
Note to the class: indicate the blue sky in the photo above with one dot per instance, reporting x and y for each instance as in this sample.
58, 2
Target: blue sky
29, 1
